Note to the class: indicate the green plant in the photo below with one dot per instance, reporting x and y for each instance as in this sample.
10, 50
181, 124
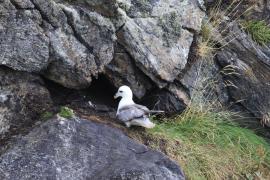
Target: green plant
214, 27
206, 140
66, 112
208, 145
46, 115
259, 31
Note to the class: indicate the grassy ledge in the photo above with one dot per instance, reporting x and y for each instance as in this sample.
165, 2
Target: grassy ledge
259, 31
208, 145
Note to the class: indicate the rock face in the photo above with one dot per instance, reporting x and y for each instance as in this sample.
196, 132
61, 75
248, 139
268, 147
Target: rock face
155, 38
143, 44
67, 45
170, 100
260, 8
122, 70
23, 99
80, 149
80, 48
24, 46
249, 73
72, 42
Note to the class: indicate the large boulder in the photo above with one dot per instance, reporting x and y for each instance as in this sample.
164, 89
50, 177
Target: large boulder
67, 44
246, 71
80, 47
80, 149
24, 46
23, 98
156, 36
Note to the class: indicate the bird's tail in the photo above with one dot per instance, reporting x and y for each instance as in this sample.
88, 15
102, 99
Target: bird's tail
144, 122
156, 111
148, 124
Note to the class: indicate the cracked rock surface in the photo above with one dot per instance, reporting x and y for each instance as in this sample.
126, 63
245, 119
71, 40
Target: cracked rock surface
24, 45
249, 75
79, 149
155, 36
66, 44
23, 98
72, 42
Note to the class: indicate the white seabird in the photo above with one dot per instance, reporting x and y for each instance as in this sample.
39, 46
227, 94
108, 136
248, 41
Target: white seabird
131, 113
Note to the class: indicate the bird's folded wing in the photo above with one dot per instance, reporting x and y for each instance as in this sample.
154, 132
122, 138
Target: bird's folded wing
130, 112
144, 108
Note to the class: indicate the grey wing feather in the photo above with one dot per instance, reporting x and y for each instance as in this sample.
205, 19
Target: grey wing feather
130, 112
144, 108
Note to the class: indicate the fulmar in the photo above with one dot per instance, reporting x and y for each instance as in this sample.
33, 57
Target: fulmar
131, 113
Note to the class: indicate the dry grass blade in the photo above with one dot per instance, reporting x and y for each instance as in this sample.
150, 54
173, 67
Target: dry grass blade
212, 34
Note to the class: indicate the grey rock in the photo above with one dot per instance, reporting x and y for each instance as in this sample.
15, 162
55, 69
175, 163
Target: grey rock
246, 71
23, 99
71, 42
81, 50
172, 99
188, 11
161, 61
93, 30
80, 149
108, 9
71, 63
3, 97
260, 9
123, 71
24, 46
203, 81
155, 37
23, 4
104, 7
179, 93
51, 13
80, 41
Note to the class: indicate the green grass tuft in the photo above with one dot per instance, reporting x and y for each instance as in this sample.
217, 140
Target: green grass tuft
46, 115
66, 112
259, 30
209, 146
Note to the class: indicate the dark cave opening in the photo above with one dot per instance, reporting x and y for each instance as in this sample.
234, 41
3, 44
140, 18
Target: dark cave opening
100, 93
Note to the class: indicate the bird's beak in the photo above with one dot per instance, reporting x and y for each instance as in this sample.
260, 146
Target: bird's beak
116, 96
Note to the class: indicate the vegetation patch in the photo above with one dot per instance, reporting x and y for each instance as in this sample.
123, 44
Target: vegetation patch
214, 30
46, 115
66, 112
259, 31
208, 145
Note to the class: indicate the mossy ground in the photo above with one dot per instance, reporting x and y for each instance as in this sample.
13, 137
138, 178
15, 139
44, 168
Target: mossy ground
208, 145
66, 112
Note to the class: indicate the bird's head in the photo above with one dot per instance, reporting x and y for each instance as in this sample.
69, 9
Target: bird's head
124, 92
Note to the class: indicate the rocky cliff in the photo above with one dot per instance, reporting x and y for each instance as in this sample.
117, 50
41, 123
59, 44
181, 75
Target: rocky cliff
53, 50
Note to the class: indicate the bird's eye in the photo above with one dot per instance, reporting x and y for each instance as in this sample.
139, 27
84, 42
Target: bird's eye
120, 91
